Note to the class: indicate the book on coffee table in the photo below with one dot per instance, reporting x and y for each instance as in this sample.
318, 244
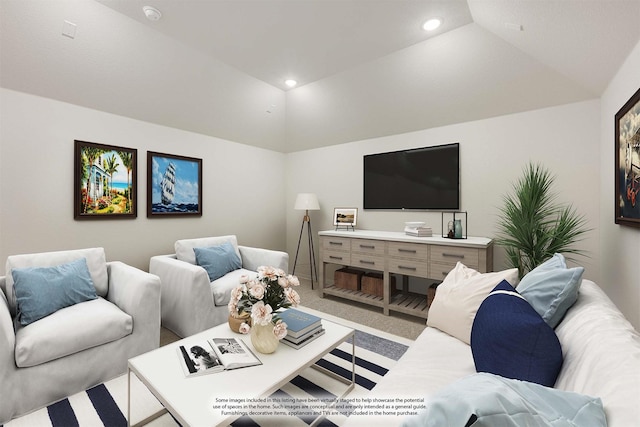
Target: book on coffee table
304, 340
215, 355
298, 322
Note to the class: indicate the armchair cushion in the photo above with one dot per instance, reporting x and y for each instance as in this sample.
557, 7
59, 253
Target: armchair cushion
218, 260
184, 248
96, 262
221, 288
41, 291
59, 335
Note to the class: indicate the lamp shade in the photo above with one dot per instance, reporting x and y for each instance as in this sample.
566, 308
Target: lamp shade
307, 202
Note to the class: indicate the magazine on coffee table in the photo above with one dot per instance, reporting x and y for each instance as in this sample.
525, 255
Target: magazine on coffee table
215, 355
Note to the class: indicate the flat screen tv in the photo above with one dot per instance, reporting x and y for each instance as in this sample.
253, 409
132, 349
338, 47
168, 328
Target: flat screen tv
425, 178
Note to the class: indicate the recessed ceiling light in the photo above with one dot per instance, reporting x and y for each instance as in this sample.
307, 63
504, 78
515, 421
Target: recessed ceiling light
432, 24
152, 13
290, 82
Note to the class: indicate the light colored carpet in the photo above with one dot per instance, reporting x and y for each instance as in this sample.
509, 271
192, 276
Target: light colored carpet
397, 324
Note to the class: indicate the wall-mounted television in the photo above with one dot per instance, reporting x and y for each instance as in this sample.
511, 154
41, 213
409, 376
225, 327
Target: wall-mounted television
425, 178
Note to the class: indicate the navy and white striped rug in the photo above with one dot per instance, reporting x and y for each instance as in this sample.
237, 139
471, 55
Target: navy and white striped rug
106, 404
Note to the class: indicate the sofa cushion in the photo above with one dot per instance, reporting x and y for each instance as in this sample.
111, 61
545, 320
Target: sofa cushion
59, 335
222, 287
184, 248
96, 262
41, 291
551, 288
509, 338
218, 260
491, 400
459, 296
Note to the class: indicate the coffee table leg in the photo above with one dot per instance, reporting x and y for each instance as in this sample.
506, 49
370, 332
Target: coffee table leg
351, 384
150, 417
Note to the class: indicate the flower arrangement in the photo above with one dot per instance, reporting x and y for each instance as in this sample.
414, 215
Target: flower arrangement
260, 298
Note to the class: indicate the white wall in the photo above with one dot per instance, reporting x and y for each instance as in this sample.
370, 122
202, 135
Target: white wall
493, 153
620, 245
242, 185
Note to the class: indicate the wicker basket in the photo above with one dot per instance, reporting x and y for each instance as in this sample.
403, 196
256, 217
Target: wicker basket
372, 283
348, 278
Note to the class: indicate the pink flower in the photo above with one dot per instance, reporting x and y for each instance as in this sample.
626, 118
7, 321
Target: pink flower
280, 329
244, 278
236, 294
293, 280
233, 308
244, 328
257, 291
292, 296
268, 272
261, 313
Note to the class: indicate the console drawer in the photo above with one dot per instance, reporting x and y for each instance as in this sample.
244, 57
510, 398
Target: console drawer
370, 247
367, 261
451, 255
408, 267
336, 244
336, 257
408, 250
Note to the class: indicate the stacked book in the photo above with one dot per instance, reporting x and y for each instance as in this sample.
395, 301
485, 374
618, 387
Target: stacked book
302, 328
418, 231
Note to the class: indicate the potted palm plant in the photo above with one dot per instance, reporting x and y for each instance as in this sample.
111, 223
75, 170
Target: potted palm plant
533, 226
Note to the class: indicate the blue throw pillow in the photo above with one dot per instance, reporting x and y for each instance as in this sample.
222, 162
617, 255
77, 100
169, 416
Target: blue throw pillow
41, 291
509, 338
551, 288
218, 260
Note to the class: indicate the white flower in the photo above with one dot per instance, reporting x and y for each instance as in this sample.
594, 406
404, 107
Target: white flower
257, 291
280, 329
261, 313
244, 328
292, 296
282, 281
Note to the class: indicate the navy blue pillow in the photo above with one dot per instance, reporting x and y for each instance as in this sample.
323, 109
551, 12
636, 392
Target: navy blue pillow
509, 338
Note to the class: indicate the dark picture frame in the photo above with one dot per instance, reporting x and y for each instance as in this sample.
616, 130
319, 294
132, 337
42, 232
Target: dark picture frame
627, 163
174, 185
105, 181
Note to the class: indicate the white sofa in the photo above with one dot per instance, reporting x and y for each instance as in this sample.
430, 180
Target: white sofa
601, 359
191, 303
79, 346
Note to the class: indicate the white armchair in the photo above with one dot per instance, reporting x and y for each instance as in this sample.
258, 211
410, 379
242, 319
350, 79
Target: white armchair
190, 301
78, 346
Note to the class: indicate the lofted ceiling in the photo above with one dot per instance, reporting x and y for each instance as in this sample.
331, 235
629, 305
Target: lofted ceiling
365, 68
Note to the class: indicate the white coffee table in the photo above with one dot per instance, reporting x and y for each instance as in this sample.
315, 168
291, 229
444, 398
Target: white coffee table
191, 400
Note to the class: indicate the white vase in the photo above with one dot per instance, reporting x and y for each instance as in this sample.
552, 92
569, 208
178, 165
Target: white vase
263, 338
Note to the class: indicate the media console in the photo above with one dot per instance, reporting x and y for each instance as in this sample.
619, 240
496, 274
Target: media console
391, 252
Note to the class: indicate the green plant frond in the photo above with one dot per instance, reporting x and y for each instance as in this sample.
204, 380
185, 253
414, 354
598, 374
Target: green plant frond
532, 226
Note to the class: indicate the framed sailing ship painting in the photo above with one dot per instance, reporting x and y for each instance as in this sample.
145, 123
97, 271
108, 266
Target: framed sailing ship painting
105, 181
174, 185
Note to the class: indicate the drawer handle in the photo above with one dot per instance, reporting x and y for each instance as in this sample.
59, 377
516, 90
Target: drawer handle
367, 262
335, 257
411, 251
444, 254
367, 246
336, 243
402, 267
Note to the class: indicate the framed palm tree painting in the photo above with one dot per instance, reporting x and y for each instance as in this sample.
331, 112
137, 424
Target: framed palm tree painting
105, 181
174, 185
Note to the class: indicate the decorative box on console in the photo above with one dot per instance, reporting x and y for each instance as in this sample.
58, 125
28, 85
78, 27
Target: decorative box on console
372, 284
348, 278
